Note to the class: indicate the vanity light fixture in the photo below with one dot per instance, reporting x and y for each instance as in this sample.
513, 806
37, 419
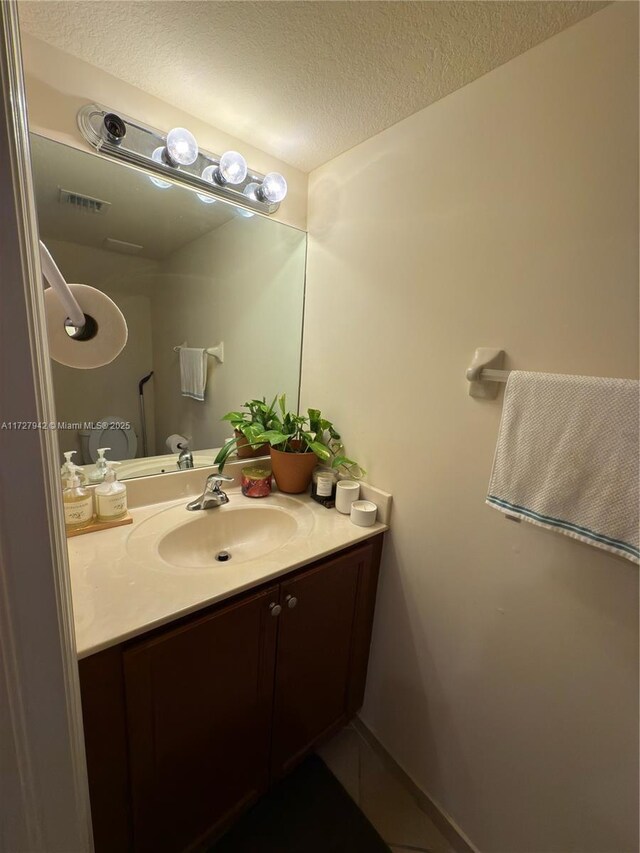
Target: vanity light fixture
177, 155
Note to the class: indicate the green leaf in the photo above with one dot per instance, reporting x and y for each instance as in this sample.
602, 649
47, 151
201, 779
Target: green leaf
234, 417
321, 450
341, 460
224, 453
273, 437
314, 419
252, 433
349, 465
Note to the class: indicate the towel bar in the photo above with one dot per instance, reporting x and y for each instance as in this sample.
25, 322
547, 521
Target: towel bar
488, 375
484, 373
216, 352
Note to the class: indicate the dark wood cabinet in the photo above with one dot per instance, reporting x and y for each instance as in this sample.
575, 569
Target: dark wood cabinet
187, 726
199, 702
315, 641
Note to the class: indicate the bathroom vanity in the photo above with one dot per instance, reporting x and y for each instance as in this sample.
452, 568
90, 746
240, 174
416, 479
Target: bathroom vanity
188, 723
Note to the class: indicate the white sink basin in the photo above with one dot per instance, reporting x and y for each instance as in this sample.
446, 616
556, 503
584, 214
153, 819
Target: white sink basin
242, 533
245, 529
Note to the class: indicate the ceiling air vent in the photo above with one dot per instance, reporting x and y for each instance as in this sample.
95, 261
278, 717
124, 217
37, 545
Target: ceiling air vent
83, 202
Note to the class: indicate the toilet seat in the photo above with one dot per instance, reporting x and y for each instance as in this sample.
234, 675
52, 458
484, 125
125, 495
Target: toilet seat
122, 441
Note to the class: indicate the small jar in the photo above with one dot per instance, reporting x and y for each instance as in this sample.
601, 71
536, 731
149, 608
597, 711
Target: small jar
323, 486
256, 481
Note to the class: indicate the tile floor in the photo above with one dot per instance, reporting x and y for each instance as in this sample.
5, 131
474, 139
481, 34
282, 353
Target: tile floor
387, 804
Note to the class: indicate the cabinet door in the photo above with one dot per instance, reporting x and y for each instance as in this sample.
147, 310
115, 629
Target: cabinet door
105, 739
316, 652
199, 701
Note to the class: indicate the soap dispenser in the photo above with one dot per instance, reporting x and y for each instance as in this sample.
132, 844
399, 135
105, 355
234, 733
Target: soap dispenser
77, 501
111, 496
100, 469
67, 469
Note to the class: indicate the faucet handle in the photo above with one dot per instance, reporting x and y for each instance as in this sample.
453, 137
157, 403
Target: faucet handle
215, 480
223, 478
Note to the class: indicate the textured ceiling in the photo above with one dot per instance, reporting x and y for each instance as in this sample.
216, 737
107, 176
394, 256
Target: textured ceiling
306, 80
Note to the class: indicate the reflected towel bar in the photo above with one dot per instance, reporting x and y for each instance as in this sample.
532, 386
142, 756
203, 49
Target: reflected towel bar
216, 352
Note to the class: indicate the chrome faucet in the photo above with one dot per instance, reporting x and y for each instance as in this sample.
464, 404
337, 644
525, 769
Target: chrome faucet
185, 459
213, 495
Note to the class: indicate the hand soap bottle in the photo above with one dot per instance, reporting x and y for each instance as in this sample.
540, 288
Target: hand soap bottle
100, 470
78, 501
111, 496
69, 468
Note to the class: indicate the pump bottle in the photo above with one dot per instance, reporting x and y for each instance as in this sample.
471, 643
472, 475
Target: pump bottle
67, 469
111, 496
100, 470
77, 501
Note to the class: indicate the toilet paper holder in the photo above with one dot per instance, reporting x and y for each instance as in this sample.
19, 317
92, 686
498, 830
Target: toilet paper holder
56, 281
102, 331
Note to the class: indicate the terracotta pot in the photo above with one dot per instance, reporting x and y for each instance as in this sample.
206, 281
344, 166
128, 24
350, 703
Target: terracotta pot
292, 471
244, 449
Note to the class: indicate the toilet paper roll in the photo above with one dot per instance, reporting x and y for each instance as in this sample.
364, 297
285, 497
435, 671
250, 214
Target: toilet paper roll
110, 333
174, 440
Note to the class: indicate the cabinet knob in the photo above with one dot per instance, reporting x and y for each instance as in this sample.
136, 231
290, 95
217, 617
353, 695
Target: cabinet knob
291, 601
275, 609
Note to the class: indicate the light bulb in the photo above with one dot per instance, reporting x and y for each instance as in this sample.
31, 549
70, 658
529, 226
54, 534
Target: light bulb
274, 187
251, 191
233, 168
181, 146
209, 174
157, 156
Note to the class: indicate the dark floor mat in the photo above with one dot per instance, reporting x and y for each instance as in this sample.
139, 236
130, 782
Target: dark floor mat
308, 812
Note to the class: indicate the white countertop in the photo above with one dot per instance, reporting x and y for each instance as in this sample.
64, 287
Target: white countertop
118, 594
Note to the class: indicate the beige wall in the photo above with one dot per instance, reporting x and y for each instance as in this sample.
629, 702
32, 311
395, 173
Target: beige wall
243, 284
58, 84
504, 670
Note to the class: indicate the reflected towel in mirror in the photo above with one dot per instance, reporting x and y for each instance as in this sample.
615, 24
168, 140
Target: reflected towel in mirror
193, 372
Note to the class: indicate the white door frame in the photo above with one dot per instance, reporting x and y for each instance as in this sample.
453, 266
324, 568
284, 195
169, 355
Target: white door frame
44, 803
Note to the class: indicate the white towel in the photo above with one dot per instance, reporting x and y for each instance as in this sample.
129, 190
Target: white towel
193, 372
567, 458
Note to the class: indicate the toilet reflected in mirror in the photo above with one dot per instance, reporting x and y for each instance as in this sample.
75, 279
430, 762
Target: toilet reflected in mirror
112, 432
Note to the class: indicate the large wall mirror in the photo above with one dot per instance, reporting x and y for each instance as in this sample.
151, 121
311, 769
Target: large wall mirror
184, 268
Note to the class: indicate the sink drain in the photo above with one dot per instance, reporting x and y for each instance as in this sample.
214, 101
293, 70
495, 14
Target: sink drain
223, 556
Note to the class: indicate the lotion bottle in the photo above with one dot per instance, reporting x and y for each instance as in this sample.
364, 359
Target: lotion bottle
111, 496
78, 502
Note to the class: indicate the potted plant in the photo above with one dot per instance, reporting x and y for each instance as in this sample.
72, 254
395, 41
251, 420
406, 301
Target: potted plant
297, 442
248, 426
